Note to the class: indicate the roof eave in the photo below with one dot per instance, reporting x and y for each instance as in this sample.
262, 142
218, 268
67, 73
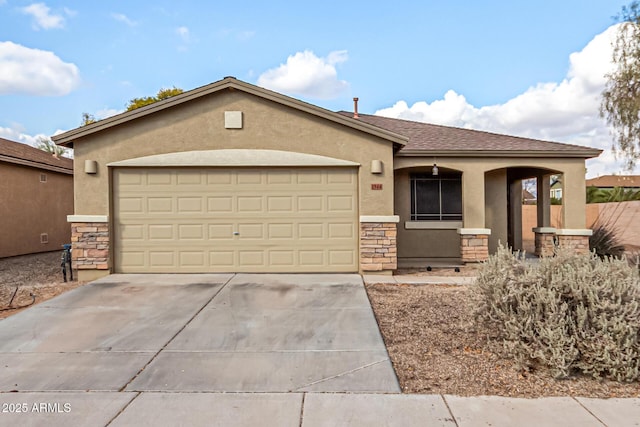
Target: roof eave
34, 164
585, 154
67, 138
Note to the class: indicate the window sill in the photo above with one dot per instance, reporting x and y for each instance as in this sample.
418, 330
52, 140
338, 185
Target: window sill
432, 225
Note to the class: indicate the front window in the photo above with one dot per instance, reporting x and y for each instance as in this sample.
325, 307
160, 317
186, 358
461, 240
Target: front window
436, 198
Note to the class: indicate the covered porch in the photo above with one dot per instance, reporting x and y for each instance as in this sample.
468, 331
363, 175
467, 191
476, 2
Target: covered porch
474, 204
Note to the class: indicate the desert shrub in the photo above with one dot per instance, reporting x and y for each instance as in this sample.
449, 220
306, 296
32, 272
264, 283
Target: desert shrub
604, 242
568, 313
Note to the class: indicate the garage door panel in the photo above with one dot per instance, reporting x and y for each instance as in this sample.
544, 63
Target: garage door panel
160, 205
311, 204
159, 178
341, 231
221, 231
220, 204
130, 232
191, 231
280, 231
162, 258
250, 258
311, 230
249, 204
161, 231
223, 259
226, 220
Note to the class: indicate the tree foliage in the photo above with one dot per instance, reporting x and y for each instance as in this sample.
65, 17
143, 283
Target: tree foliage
620, 104
608, 195
46, 144
87, 119
146, 100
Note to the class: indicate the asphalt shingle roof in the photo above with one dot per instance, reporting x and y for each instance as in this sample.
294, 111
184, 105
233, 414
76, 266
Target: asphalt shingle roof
16, 152
610, 181
436, 138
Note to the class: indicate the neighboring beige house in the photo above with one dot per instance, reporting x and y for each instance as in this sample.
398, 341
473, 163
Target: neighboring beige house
36, 195
231, 177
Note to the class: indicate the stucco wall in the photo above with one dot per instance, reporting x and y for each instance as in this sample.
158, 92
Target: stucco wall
30, 207
199, 125
624, 218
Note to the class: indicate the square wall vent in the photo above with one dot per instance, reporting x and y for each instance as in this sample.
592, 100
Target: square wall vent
44, 238
233, 119
43, 177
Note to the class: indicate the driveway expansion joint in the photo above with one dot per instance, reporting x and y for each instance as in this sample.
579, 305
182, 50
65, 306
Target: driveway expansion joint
342, 374
176, 334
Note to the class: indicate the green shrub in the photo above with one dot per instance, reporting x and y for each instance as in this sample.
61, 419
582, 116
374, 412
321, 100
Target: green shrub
604, 242
568, 313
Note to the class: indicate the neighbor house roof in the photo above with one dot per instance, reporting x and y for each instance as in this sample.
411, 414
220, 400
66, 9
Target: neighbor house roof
429, 139
23, 154
611, 181
228, 83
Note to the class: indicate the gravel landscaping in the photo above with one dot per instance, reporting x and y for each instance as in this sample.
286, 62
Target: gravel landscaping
436, 348
30, 279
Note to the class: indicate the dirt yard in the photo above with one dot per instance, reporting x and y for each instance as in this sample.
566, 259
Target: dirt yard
30, 279
436, 349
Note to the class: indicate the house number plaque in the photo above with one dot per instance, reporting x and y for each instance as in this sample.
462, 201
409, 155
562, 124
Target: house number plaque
376, 186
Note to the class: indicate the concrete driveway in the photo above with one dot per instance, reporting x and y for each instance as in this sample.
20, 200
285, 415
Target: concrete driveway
194, 333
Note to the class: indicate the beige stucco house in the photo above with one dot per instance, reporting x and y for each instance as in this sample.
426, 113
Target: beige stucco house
231, 177
36, 195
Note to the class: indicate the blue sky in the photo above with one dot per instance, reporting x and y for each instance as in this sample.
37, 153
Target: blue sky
524, 68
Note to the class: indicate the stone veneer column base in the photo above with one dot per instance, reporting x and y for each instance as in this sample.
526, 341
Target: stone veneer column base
474, 244
576, 240
90, 248
378, 248
545, 240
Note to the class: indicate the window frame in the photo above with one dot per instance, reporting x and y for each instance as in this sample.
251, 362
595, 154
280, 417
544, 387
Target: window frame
440, 217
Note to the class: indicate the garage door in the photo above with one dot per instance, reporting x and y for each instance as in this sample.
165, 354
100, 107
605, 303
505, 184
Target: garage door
235, 220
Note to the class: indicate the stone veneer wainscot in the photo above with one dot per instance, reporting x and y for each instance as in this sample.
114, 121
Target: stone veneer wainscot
378, 248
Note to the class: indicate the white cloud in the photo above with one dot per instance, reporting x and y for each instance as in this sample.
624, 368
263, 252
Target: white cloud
35, 72
43, 18
566, 111
307, 75
107, 112
183, 33
121, 17
16, 133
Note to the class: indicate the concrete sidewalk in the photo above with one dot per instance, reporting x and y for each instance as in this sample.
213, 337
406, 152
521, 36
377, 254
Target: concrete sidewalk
307, 410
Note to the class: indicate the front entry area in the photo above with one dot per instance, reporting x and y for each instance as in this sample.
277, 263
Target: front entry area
201, 220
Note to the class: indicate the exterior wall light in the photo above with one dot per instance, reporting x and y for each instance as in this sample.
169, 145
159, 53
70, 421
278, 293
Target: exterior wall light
90, 166
376, 166
434, 170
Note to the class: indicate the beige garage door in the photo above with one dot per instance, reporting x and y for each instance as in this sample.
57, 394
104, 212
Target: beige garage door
235, 220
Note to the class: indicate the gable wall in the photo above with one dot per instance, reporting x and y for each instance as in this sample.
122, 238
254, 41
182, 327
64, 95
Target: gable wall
199, 125
30, 207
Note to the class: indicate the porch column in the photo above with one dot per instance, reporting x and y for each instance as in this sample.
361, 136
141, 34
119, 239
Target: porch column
474, 244
378, 247
515, 206
90, 245
543, 203
473, 198
545, 239
474, 237
574, 233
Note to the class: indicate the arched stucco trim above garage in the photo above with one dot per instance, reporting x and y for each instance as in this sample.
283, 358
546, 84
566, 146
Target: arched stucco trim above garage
231, 158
